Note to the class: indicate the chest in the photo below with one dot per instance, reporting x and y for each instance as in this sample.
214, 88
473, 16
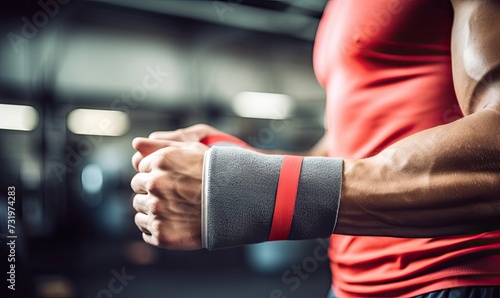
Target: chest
352, 31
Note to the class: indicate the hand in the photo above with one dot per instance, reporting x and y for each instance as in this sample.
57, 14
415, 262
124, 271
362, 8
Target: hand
159, 139
192, 133
168, 196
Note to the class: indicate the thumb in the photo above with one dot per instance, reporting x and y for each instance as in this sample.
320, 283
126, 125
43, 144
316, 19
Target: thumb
147, 146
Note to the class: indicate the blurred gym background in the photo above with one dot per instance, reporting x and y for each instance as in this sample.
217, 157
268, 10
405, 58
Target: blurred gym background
80, 79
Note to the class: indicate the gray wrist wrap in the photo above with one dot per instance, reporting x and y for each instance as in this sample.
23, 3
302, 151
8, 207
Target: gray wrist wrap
239, 196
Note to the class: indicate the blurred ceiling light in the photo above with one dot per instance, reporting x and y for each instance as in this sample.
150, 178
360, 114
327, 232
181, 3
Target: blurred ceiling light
262, 105
31, 172
17, 117
98, 122
92, 178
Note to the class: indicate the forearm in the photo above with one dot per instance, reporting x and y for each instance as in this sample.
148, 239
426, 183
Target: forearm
442, 181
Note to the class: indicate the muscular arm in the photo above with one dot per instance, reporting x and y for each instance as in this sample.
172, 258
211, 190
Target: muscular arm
445, 180
440, 182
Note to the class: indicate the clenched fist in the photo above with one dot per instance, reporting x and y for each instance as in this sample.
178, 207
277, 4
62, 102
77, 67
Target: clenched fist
168, 192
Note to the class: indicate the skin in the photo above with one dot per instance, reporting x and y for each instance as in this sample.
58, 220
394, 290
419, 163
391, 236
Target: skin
440, 182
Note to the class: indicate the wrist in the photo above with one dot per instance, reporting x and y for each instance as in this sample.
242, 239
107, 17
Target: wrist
250, 197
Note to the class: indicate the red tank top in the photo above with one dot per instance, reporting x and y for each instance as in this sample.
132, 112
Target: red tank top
386, 66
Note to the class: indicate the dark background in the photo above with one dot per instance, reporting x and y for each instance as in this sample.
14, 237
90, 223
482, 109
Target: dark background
74, 221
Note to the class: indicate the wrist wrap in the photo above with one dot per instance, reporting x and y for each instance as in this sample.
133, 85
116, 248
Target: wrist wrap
250, 197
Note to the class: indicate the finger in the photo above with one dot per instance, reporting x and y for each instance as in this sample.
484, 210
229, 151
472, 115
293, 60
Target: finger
189, 134
136, 159
175, 135
147, 146
140, 203
142, 222
139, 183
157, 159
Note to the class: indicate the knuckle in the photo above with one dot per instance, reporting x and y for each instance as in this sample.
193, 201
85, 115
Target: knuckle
154, 184
199, 126
166, 151
202, 129
157, 229
161, 157
154, 206
169, 155
180, 131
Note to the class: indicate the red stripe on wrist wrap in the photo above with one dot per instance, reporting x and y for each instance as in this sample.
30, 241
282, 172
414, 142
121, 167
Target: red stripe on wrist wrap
286, 196
224, 138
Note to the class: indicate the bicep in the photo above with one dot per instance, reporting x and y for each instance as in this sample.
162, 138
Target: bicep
476, 55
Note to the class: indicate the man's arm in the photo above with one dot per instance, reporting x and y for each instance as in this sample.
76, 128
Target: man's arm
440, 182
445, 180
